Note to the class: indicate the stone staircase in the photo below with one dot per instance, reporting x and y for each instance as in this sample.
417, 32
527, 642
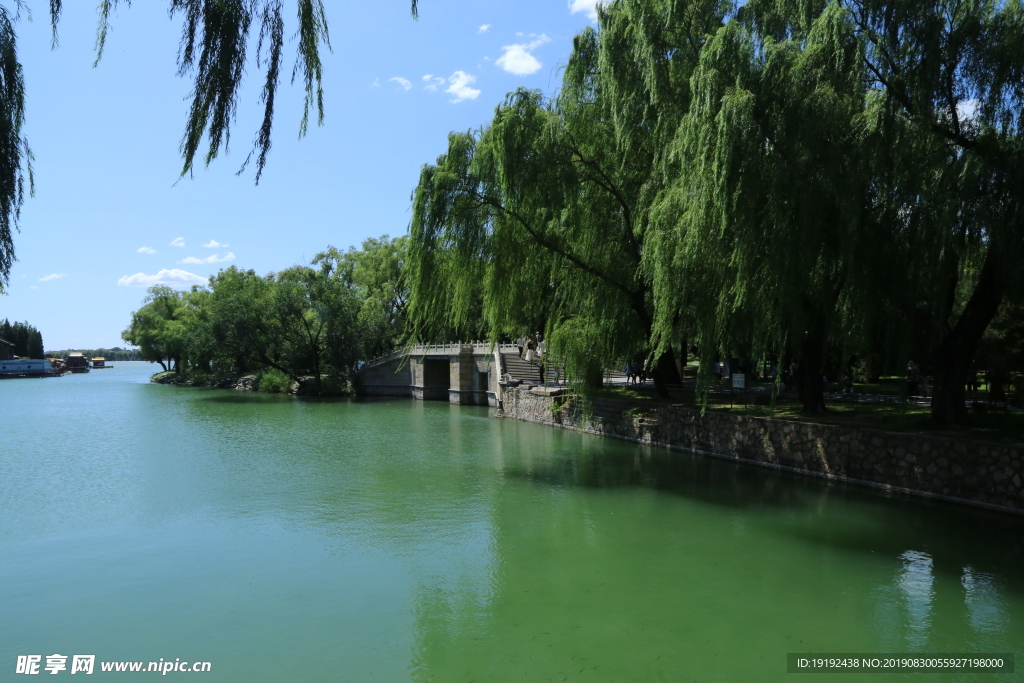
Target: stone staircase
519, 369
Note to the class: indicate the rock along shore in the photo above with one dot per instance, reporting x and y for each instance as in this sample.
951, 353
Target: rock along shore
300, 387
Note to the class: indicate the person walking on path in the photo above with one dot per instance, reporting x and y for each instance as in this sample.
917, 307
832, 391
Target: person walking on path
519, 345
530, 353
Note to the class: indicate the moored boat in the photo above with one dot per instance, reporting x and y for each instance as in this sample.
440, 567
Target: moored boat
77, 362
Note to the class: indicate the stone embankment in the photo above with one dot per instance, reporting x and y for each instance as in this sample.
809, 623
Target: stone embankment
978, 473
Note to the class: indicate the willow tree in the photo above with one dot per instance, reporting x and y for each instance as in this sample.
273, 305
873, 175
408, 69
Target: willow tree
157, 327
952, 73
767, 223
546, 209
213, 51
15, 155
520, 211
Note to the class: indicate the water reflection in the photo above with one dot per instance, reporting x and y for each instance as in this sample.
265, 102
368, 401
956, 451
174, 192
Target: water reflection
985, 606
845, 517
915, 582
406, 540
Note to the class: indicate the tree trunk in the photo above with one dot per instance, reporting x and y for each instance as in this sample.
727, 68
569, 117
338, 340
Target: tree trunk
809, 384
663, 369
956, 351
664, 372
681, 362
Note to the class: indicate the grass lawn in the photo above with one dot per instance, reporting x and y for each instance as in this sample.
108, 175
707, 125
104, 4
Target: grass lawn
163, 375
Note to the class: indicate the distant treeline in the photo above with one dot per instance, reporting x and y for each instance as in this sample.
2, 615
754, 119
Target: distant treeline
313, 321
27, 340
116, 353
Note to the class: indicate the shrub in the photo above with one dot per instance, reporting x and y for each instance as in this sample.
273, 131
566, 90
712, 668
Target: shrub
273, 381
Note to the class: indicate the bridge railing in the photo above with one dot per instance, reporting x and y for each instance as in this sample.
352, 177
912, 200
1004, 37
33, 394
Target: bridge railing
480, 347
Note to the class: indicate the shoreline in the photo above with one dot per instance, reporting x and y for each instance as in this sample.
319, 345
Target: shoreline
976, 473
980, 474
248, 382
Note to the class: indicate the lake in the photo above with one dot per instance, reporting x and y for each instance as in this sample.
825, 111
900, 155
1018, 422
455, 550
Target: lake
284, 539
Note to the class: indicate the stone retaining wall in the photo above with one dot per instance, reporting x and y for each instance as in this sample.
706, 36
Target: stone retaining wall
975, 472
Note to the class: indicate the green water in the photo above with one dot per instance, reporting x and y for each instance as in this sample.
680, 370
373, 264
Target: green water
295, 540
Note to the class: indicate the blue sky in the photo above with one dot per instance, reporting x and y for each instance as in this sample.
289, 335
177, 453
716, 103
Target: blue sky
108, 217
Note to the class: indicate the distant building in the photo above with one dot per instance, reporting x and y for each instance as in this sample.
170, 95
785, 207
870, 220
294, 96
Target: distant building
77, 362
25, 367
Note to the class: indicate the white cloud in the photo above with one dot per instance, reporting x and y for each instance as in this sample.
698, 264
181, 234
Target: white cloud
433, 82
33, 286
52, 276
484, 29
212, 258
146, 250
967, 109
214, 244
458, 85
376, 83
402, 82
173, 277
178, 242
588, 6
517, 58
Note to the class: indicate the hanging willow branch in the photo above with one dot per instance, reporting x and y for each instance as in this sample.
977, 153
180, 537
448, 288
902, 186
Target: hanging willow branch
15, 155
214, 38
213, 51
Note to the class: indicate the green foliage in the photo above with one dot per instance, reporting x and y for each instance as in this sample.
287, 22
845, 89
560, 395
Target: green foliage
764, 233
377, 274
157, 328
27, 340
305, 322
299, 321
799, 180
540, 220
273, 381
15, 155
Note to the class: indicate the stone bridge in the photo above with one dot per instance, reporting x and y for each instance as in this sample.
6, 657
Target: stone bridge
468, 373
